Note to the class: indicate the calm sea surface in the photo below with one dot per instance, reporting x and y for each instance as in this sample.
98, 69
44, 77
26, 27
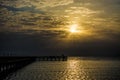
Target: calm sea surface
76, 68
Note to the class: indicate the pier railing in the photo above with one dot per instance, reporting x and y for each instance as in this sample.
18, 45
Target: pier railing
11, 64
52, 58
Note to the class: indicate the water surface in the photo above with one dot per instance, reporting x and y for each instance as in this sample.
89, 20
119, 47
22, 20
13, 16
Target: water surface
76, 68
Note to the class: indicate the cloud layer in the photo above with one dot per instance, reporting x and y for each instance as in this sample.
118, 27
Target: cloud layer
54, 16
37, 3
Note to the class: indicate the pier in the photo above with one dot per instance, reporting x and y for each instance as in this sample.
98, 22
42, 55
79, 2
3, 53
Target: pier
11, 64
52, 58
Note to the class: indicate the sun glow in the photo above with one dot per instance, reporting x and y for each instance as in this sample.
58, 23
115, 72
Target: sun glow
73, 28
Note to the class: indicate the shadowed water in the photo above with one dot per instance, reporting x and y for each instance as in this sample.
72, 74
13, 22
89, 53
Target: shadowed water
76, 68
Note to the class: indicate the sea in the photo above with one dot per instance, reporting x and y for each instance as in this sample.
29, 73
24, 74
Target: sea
75, 68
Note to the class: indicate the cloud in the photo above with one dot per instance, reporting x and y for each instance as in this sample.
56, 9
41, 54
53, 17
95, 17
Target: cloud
83, 11
30, 15
30, 9
37, 3
18, 19
20, 15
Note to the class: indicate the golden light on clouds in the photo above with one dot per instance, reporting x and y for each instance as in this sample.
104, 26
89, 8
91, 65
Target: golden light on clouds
62, 19
73, 28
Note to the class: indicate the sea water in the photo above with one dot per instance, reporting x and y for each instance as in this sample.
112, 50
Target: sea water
75, 68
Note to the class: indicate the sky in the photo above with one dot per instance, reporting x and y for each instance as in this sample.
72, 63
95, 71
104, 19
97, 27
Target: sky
55, 27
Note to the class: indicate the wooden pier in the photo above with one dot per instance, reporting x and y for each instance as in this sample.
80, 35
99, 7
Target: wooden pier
52, 58
12, 64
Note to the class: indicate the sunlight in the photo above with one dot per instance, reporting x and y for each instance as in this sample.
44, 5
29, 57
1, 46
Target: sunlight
73, 69
73, 28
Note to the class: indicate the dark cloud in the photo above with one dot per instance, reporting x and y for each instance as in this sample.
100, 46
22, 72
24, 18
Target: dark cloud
37, 3
30, 9
38, 45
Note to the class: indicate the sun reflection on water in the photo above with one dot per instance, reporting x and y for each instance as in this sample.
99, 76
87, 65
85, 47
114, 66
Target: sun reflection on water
75, 70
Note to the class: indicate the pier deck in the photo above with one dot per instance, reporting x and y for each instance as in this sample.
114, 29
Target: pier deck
12, 64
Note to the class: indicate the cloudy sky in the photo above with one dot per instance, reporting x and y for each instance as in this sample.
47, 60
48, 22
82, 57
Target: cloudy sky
44, 26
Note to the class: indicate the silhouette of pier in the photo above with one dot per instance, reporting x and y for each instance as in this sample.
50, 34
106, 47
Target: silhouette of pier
52, 58
12, 64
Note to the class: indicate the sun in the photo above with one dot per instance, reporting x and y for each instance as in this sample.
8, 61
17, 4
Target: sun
73, 28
